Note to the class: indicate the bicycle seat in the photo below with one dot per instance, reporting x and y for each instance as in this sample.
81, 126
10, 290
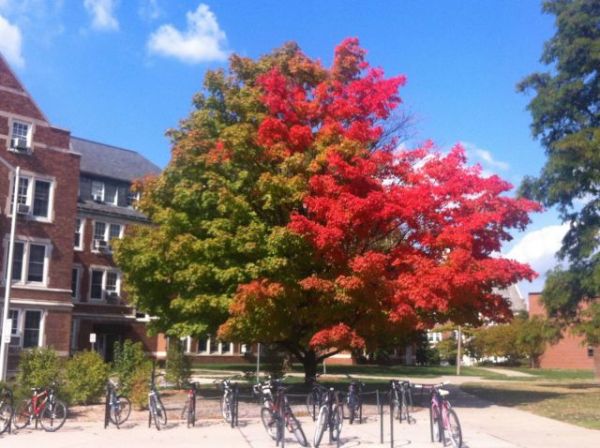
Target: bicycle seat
443, 392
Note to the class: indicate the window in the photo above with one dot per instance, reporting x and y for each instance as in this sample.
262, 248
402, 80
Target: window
98, 191
590, 351
133, 198
31, 329
78, 242
226, 348
37, 195
203, 345
75, 279
21, 132
106, 232
15, 339
213, 345
30, 262
102, 282
111, 194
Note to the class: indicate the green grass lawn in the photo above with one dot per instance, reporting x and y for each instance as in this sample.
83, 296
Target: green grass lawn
576, 402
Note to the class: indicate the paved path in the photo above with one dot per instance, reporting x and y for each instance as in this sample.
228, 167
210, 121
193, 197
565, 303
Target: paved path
484, 426
508, 372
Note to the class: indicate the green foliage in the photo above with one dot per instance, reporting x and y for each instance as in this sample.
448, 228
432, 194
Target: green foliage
140, 386
533, 336
129, 360
566, 118
86, 375
447, 349
38, 367
178, 368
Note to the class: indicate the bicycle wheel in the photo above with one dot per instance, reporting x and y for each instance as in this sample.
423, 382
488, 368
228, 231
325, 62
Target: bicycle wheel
226, 407
453, 429
396, 405
404, 412
6, 412
312, 404
185, 411
322, 423
191, 415
160, 415
269, 421
435, 424
352, 407
53, 415
120, 410
337, 421
295, 428
23, 414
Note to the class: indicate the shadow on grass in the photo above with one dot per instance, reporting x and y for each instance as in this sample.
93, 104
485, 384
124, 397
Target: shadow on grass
500, 396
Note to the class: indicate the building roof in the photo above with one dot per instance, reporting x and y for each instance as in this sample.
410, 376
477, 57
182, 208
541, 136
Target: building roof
110, 161
513, 294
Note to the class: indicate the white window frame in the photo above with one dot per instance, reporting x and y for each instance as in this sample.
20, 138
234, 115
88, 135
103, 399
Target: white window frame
21, 325
115, 199
28, 137
27, 242
77, 296
81, 231
104, 270
31, 179
98, 183
107, 225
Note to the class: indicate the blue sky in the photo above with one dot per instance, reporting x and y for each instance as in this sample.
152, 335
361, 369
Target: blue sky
124, 71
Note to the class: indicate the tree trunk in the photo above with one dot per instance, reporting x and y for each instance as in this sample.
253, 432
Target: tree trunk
309, 362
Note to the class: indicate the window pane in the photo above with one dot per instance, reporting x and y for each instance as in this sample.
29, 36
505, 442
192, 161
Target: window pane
225, 347
31, 329
41, 198
20, 130
96, 292
99, 230
21, 191
214, 345
202, 342
98, 189
114, 231
74, 282
14, 330
17, 273
77, 242
37, 255
111, 281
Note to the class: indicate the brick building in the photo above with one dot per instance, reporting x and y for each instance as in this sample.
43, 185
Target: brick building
73, 198
568, 353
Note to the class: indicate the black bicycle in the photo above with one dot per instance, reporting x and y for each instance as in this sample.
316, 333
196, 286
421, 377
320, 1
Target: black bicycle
188, 413
119, 406
353, 401
401, 400
227, 400
156, 409
315, 398
276, 413
6, 408
330, 417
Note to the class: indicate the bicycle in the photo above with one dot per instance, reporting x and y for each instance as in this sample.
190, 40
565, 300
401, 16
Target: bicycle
354, 401
228, 400
330, 416
189, 409
401, 400
442, 418
119, 406
42, 407
156, 409
6, 409
315, 398
276, 413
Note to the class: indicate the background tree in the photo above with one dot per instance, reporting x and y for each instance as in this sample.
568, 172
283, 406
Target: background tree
533, 336
288, 216
566, 119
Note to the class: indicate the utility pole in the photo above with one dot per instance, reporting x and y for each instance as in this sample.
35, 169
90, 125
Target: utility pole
6, 330
258, 363
458, 350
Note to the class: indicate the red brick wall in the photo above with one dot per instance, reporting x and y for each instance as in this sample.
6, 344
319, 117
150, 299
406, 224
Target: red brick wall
569, 352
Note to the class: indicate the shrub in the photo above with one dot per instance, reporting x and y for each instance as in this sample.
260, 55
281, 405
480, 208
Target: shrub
178, 365
129, 358
140, 385
38, 367
86, 375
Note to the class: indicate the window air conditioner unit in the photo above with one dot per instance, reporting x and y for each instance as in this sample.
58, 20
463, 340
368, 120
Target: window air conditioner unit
112, 296
19, 144
100, 244
97, 198
22, 209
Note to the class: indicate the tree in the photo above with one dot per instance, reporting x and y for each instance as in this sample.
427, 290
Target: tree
566, 119
533, 336
287, 215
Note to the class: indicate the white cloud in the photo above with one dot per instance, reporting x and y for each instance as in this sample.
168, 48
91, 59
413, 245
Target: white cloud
10, 42
202, 41
103, 14
484, 156
538, 248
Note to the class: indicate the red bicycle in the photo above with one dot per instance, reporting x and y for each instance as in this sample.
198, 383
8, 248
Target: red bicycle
443, 421
42, 407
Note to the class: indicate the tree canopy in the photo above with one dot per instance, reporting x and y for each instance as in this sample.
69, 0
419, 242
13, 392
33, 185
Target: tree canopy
287, 215
566, 118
